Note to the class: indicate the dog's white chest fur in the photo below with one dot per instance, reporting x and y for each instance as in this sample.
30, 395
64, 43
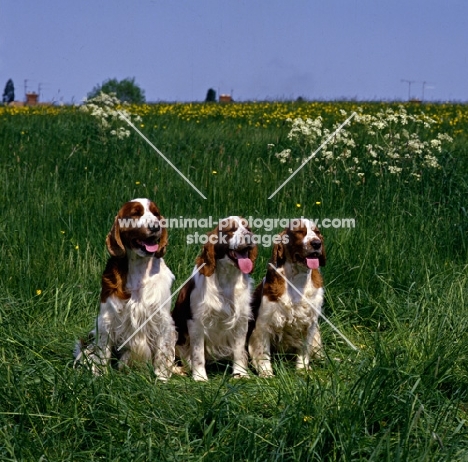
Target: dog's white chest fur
149, 282
221, 304
290, 316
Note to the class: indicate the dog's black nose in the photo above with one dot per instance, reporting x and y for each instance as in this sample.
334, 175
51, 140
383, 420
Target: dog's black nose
154, 227
316, 244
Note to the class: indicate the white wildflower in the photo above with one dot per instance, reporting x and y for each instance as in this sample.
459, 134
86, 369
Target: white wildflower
346, 154
444, 137
431, 161
284, 155
379, 124
414, 144
392, 169
436, 144
393, 155
107, 109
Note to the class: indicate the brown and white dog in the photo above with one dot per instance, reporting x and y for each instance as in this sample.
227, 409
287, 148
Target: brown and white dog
134, 321
286, 320
212, 311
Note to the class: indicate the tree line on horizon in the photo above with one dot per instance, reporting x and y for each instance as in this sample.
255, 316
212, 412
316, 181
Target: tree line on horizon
126, 90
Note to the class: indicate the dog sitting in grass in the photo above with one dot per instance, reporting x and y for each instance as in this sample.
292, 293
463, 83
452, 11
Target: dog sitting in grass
286, 305
134, 322
212, 310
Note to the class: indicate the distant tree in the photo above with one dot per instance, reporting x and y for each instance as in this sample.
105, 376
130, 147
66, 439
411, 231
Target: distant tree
9, 92
126, 90
210, 96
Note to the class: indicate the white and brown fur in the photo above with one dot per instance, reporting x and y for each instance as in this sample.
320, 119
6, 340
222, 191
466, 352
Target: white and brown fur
135, 284
212, 311
284, 320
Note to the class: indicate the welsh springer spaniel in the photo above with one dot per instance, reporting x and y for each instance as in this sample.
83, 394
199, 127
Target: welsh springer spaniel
134, 323
212, 310
286, 318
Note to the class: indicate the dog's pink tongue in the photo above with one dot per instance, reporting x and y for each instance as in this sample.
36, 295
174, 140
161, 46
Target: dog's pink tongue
151, 248
312, 263
244, 262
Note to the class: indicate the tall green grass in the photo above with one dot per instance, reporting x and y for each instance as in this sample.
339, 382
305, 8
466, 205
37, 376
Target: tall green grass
396, 286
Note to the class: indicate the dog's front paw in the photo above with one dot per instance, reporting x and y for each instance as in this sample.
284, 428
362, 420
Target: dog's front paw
179, 370
318, 355
200, 376
266, 373
240, 371
88, 358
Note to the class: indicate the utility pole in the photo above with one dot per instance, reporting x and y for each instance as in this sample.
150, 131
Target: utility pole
40, 89
409, 82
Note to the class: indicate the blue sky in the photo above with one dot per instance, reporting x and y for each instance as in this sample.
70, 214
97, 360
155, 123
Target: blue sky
257, 49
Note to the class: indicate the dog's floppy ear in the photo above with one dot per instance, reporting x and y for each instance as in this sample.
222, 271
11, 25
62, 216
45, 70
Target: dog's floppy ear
208, 255
163, 240
253, 253
113, 241
278, 256
323, 256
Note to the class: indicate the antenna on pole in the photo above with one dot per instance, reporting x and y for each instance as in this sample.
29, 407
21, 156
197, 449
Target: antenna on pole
40, 88
409, 82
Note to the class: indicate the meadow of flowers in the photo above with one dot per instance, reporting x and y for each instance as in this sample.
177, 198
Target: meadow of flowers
266, 114
396, 283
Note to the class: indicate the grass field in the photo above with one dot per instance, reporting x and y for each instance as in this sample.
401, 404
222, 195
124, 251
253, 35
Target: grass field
396, 285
